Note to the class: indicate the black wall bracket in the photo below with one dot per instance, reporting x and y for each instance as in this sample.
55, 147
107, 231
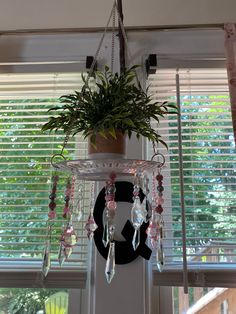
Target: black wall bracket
151, 64
89, 62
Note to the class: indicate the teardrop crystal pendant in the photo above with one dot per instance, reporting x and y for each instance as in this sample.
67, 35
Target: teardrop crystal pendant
105, 235
61, 255
69, 237
136, 239
160, 256
90, 226
110, 264
67, 251
148, 209
46, 259
77, 214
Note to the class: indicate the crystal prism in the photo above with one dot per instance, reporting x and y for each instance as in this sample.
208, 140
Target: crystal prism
77, 215
110, 264
138, 213
77, 211
69, 237
46, 259
136, 239
111, 231
105, 236
90, 226
67, 252
160, 256
61, 255
148, 209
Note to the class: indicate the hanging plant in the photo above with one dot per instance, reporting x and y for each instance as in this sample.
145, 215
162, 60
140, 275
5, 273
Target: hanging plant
112, 102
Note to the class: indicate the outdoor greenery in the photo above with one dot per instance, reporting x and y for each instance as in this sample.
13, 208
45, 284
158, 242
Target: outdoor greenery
26, 179
23, 301
112, 102
209, 186
24, 190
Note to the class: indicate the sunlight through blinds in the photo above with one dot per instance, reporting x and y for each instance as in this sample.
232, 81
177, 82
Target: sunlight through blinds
25, 170
209, 161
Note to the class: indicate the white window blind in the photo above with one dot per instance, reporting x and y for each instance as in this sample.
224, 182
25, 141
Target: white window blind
25, 177
208, 174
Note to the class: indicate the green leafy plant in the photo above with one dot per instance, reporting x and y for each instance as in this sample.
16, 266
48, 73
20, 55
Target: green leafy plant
24, 301
113, 102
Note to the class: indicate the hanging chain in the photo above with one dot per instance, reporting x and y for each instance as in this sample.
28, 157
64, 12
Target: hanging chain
113, 37
100, 43
126, 42
123, 33
112, 14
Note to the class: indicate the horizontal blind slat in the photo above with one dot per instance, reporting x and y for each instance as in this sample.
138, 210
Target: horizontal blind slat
25, 168
208, 161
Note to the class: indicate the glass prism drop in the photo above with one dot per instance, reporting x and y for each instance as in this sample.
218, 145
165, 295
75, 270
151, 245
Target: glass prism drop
46, 259
160, 257
67, 252
110, 263
105, 235
136, 239
61, 255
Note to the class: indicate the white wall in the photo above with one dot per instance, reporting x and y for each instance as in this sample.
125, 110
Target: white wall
35, 14
168, 45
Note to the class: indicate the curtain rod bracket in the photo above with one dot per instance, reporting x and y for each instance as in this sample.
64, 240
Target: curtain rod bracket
151, 64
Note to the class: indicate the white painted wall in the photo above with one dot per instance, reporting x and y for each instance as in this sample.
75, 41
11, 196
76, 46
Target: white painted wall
168, 45
35, 14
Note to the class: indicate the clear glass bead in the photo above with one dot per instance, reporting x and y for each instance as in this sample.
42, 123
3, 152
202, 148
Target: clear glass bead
90, 226
138, 213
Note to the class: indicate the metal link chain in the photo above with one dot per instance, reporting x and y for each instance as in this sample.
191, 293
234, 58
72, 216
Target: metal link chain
112, 14
126, 42
101, 42
113, 37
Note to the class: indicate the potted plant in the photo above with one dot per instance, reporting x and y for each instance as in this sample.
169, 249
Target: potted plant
107, 110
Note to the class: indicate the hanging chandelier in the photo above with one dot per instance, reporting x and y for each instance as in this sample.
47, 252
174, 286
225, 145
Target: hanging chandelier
144, 192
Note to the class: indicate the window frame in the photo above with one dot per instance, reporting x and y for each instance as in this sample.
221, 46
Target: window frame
164, 281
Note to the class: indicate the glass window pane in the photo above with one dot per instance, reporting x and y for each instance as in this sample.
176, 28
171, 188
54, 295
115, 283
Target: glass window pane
204, 300
33, 301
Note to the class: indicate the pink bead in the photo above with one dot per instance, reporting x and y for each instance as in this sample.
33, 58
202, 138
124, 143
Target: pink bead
152, 230
154, 243
52, 205
111, 205
159, 177
52, 214
159, 209
160, 200
112, 176
66, 209
68, 192
109, 197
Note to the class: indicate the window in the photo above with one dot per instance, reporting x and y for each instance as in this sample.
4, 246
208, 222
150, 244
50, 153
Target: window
26, 172
208, 177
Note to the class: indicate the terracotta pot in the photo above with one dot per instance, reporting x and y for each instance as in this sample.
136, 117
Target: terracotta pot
109, 147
